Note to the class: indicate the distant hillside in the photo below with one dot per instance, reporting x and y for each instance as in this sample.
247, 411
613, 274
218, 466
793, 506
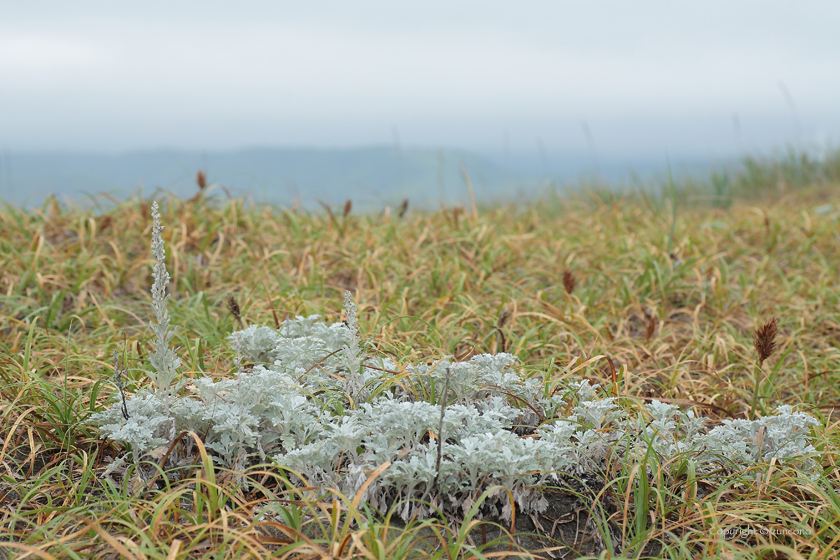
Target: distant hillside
372, 177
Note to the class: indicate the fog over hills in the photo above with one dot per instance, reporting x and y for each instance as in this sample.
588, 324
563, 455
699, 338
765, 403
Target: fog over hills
372, 177
379, 101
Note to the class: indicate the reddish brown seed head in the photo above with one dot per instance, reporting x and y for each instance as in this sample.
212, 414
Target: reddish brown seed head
233, 307
569, 281
764, 339
201, 179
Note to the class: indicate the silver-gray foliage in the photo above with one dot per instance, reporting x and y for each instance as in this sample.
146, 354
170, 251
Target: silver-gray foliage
164, 360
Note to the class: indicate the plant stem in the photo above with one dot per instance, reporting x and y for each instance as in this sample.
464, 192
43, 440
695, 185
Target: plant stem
673, 208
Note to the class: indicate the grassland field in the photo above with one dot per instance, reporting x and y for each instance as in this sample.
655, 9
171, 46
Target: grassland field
589, 285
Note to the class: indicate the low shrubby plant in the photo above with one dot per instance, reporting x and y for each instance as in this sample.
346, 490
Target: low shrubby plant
312, 399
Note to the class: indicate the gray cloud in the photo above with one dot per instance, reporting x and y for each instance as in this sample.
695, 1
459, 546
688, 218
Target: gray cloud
98, 75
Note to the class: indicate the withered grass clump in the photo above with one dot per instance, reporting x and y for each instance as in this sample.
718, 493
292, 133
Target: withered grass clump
764, 339
72, 286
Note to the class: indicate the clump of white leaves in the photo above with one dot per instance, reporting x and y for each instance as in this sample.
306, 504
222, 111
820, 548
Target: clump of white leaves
144, 429
479, 449
786, 435
314, 403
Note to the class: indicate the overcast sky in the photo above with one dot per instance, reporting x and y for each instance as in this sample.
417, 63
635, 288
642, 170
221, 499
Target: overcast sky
709, 77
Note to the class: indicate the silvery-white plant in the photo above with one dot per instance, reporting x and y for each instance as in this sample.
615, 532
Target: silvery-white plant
351, 355
143, 420
164, 360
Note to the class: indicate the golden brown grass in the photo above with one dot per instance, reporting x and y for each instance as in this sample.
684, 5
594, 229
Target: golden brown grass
74, 287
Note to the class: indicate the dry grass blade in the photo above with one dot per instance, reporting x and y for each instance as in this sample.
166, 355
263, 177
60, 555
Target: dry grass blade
650, 328
463, 352
470, 189
503, 318
613, 375
273, 309
31, 551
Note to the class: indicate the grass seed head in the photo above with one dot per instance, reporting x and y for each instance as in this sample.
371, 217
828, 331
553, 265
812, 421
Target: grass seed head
503, 317
569, 281
201, 179
233, 307
764, 339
